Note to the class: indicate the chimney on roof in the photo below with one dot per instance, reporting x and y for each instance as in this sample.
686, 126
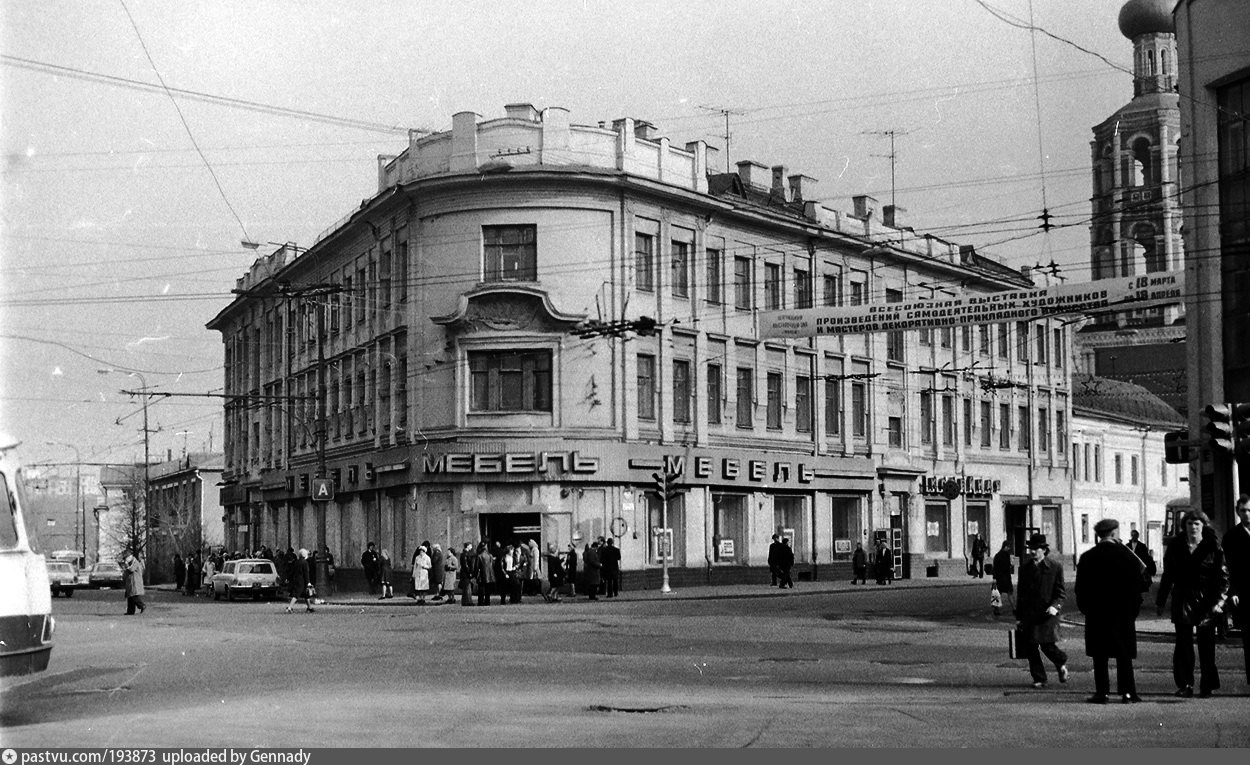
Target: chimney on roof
865, 206
644, 130
752, 173
521, 112
802, 188
890, 216
778, 188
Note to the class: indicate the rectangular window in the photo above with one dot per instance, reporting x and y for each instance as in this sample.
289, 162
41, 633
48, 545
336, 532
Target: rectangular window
644, 262
833, 407
983, 339
1004, 340
1041, 344
1133, 468
859, 409
894, 432
511, 253
772, 287
774, 400
729, 528
926, 417
715, 380
1004, 426
742, 283
714, 286
967, 422
646, 386
926, 337
803, 404
746, 397
965, 337
894, 339
1097, 463
833, 290
948, 420
1059, 349
1022, 341
401, 269
802, 289
948, 337
1084, 527
681, 390
681, 269
1022, 435
1043, 430
1061, 430
510, 381
384, 277
987, 423
857, 293
1163, 474
1118, 462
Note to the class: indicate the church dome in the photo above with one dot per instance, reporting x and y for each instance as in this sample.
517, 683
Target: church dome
1139, 17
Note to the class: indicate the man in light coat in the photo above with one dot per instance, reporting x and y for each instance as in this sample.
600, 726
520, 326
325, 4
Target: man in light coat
1108, 592
132, 577
1040, 593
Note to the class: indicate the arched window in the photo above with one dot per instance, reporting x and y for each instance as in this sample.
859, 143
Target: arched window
1165, 61
1150, 62
1104, 264
1147, 256
1143, 171
1106, 169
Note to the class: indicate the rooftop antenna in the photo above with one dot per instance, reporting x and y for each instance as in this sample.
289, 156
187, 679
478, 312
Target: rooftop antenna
891, 156
726, 113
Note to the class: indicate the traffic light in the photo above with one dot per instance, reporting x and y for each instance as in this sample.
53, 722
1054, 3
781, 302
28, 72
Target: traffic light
1241, 428
1220, 429
1176, 447
668, 485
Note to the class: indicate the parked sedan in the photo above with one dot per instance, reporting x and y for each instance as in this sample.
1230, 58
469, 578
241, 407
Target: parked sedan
248, 577
105, 574
63, 577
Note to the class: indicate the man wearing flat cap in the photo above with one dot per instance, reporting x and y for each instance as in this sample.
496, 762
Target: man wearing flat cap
1108, 592
1040, 593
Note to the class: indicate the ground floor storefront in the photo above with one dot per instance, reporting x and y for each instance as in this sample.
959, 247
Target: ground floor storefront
717, 528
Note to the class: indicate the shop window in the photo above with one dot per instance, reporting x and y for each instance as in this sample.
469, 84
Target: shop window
510, 381
847, 527
936, 527
670, 543
790, 519
729, 512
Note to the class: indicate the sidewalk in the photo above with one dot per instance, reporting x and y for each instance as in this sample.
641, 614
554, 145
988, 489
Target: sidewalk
1148, 624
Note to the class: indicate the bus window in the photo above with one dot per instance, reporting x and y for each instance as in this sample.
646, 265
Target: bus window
8, 519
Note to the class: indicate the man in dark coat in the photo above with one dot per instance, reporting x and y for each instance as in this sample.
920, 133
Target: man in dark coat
1003, 569
774, 549
484, 572
1040, 593
180, 571
859, 564
593, 568
298, 576
1195, 576
785, 562
884, 563
373, 568
979, 549
1108, 592
610, 558
1138, 548
1237, 559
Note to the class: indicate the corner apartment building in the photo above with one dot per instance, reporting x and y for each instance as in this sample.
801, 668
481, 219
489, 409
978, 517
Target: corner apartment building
459, 404
1213, 50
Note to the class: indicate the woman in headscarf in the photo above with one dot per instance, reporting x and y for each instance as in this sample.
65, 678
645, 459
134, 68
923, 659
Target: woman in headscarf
420, 574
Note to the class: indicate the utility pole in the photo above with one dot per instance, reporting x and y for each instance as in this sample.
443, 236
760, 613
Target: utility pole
143, 544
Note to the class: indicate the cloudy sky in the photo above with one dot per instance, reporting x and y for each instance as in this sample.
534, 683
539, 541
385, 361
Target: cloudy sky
124, 203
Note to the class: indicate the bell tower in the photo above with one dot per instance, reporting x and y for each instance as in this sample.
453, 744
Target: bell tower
1136, 216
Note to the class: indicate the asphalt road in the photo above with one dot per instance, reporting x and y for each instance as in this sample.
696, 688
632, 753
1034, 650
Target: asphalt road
920, 664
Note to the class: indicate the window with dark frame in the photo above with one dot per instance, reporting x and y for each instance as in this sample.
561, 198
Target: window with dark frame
714, 286
510, 381
774, 400
646, 386
510, 253
644, 262
802, 288
681, 269
745, 398
833, 407
681, 390
742, 283
803, 404
715, 379
772, 287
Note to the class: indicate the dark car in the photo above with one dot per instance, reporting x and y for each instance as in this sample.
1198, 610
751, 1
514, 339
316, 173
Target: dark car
105, 574
63, 577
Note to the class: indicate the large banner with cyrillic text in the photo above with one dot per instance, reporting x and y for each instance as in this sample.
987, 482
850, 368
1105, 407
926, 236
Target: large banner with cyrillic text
1129, 293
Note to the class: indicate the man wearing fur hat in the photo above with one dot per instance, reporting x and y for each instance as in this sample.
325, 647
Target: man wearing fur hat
1040, 593
1108, 592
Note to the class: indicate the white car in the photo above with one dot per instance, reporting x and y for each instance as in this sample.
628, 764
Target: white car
63, 577
254, 578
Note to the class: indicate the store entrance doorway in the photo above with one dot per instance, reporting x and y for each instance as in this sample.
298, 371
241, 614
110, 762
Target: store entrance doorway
512, 528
